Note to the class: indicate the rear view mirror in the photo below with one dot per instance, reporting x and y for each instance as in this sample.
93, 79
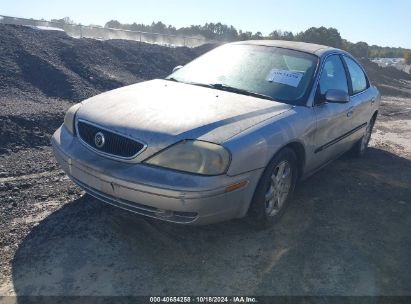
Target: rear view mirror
337, 96
177, 68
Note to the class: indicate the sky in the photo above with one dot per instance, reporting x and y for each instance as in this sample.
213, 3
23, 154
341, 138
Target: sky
385, 23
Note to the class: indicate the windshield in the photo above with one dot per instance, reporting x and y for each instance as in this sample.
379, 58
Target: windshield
282, 74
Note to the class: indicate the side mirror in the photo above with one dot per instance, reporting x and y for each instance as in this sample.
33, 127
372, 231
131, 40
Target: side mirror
337, 96
177, 68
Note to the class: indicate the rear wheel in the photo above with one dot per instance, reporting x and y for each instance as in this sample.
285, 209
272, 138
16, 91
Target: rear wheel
274, 189
361, 146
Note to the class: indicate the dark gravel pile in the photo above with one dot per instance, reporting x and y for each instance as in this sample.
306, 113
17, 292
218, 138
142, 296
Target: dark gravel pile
389, 80
43, 72
52, 64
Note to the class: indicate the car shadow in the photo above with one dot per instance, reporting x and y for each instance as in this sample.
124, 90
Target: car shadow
346, 232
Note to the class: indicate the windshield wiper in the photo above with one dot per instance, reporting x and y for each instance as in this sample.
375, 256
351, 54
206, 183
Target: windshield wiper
171, 79
189, 82
224, 87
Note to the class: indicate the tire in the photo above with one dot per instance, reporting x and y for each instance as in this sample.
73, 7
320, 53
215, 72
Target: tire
270, 201
360, 147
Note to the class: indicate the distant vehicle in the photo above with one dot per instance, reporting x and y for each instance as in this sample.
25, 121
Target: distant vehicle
227, 135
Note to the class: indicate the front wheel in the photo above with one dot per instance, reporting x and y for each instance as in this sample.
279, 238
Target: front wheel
274, 189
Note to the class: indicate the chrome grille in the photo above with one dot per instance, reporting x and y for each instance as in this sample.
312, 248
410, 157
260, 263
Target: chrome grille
114, 144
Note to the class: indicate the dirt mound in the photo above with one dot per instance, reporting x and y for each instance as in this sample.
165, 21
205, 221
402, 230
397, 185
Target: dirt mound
389, 80
52, 64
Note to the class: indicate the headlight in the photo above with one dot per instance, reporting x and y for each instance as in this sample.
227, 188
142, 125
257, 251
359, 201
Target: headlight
193, 156
69, 118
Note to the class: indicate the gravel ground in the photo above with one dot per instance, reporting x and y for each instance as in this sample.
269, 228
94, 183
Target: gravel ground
346, 231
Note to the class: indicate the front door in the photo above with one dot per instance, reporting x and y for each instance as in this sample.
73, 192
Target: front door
333, 119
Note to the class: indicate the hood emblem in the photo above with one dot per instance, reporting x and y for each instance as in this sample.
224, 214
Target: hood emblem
99, 140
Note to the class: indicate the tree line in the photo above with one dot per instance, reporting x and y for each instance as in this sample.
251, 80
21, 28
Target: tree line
227, 33
222, 32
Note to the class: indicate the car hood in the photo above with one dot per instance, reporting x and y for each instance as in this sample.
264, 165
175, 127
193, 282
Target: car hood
160, 112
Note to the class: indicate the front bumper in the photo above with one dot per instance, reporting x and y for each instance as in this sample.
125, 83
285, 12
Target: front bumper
154, 192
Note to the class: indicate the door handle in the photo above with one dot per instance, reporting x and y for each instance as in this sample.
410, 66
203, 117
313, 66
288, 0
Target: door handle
372, 100
350, 113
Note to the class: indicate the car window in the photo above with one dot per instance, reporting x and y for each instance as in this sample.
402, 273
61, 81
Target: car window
333, 76
283, 74
358, 78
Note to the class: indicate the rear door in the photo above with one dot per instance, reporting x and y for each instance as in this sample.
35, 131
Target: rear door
362, 98
333, 119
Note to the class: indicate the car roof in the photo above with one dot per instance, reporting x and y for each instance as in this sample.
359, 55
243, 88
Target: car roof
312, 48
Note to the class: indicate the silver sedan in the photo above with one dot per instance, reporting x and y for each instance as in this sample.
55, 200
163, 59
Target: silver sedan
226, 136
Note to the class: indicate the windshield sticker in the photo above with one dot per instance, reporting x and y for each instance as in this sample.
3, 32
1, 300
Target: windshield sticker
285, 77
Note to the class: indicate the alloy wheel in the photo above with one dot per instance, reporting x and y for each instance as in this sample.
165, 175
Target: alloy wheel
278, 189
